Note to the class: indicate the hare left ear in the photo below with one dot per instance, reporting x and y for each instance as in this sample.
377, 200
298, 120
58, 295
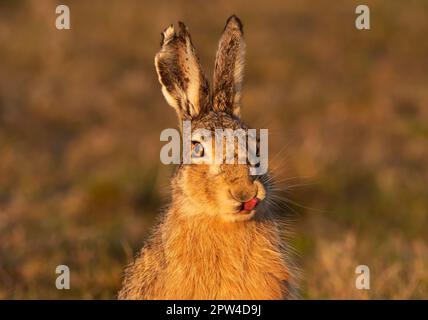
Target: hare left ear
183, 82
229, 68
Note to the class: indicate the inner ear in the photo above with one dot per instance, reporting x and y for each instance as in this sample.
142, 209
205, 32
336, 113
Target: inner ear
183, 82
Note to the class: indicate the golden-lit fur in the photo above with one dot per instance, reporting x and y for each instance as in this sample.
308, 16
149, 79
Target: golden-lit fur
204, 247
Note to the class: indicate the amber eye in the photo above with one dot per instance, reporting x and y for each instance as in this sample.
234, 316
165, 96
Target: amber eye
198, 149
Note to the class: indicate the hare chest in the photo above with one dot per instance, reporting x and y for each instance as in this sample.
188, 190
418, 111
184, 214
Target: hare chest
224, 264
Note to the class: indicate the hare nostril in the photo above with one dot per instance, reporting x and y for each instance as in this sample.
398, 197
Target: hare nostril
253, 178
242, 196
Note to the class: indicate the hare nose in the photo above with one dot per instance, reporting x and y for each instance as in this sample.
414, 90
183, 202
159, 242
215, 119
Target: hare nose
243, 196
244, 193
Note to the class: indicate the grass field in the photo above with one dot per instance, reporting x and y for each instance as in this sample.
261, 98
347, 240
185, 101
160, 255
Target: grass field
81, 112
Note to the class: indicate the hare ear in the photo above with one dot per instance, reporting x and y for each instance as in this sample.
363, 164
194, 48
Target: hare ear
229, 67
183, 83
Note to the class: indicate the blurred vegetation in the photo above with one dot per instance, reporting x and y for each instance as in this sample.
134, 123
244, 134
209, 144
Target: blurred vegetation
81, 112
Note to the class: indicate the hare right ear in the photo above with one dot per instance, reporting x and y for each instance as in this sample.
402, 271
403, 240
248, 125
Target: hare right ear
183, 83
228, 68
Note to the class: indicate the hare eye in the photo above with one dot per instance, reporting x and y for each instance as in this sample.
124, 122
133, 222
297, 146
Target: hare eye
198, 150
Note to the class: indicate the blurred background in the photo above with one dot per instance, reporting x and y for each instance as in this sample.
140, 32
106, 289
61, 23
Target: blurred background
81, 112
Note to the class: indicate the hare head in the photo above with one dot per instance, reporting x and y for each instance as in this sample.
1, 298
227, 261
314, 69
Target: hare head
226, 190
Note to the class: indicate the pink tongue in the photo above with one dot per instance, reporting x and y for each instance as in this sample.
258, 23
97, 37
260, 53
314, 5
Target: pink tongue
249, 205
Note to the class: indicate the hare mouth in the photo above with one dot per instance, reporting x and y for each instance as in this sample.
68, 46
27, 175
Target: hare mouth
249, 206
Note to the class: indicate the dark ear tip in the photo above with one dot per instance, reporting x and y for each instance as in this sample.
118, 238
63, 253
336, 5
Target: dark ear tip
181, 25
182, 29
234, 21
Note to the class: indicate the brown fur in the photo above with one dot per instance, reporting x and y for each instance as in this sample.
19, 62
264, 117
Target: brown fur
203, 247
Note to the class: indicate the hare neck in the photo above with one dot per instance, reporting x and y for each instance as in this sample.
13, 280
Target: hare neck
210, 258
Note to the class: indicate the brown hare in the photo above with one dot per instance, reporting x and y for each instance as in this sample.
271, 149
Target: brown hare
220, 237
